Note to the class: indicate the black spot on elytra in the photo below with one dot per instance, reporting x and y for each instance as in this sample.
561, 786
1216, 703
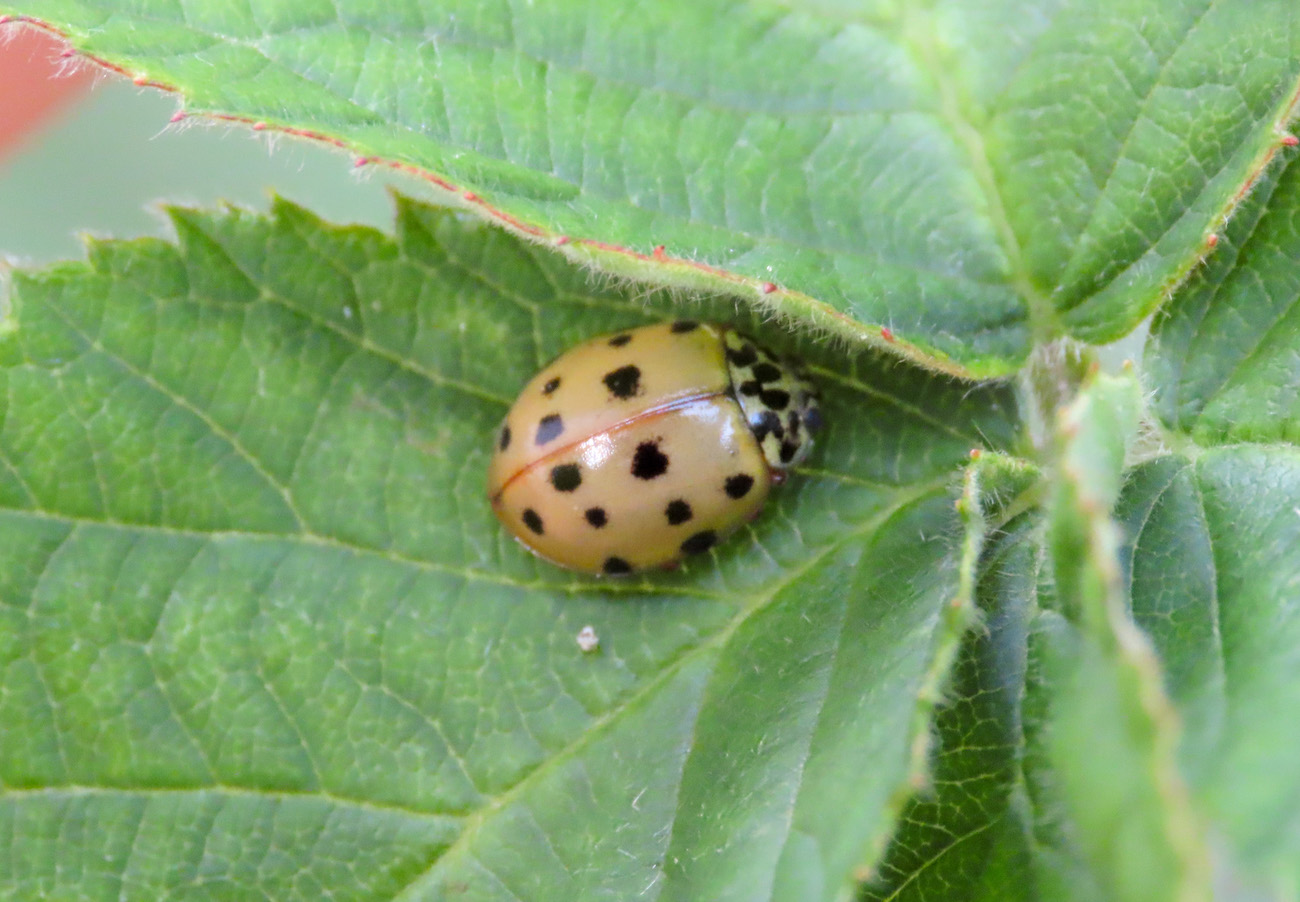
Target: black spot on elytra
623, 382
738, 486
812, 418
764, 424
615, 565
700, 542
551, 386
750, 388
566, 477
648, 462
743, 357
596, 516
533, 521
505, 438
788, 451
678, 512
775, 399
684, 325
793, 422
549, 428
766, 372
617, 342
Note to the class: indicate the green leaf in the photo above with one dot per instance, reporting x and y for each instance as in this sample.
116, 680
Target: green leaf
1211, 555
973, 177
1116, 817
261, 635
947, 836
1215, 581
1223, 355
1093, 433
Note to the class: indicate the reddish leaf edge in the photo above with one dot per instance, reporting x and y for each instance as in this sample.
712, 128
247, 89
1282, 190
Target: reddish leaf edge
1268, 153
791, 309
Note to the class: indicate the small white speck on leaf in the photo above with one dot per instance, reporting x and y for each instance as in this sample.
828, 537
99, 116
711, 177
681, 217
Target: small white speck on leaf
588, 641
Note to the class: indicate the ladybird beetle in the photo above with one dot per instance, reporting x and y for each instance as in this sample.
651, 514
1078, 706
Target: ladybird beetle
635, 449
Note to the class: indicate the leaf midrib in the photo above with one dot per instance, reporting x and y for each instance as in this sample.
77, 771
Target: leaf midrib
82, 790
918, 37
492, 576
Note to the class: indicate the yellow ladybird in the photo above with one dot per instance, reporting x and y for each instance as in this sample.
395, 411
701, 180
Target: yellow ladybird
635, 449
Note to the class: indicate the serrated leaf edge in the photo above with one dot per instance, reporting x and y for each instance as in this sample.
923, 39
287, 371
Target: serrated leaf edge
1119, 636
959, 615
